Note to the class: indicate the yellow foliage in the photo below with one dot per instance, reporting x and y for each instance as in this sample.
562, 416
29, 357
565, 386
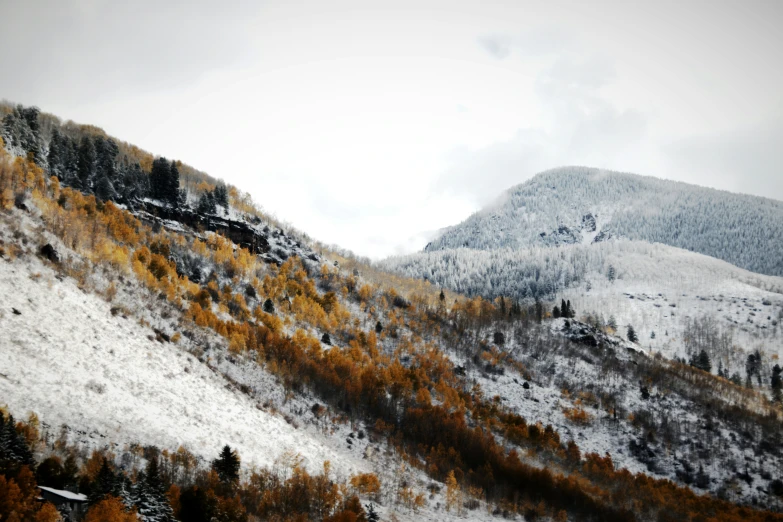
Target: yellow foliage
366, 484
237, 343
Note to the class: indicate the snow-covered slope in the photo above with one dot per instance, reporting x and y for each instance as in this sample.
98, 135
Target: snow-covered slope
577, 205
655, 288
67, 358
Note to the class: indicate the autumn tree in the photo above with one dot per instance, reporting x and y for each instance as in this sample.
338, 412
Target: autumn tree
453, 493
110, 509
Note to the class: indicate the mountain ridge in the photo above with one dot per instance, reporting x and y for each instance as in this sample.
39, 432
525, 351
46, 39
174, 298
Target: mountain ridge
553, 207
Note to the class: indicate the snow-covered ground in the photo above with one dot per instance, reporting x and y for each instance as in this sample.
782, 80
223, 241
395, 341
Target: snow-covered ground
67, 358
106, 380
659, 289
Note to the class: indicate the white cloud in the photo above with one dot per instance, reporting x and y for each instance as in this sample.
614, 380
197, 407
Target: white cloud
365, 125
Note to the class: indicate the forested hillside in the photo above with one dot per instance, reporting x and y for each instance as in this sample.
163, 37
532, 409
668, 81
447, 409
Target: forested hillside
145, 329
577, 205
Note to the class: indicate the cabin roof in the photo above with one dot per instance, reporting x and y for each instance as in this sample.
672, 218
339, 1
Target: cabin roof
69, 495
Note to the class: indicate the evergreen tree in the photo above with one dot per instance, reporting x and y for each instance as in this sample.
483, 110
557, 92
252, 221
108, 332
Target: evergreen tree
159, 179
556, 312
172, 194
9, 130
221, 195
701, 361
104, 483
753, 367
378, 327
135, 183
149, 497
55, 157
227, 465
104, 189
86, 169
71, 162
326, 339
31, 139
777, 383
631, 334
269, 306
372, 515
106, 152
569, 310
612, 323
610, 274
442, 296
14, 450
206, 204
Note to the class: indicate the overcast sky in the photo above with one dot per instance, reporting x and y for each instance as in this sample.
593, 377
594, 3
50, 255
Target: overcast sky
371, 124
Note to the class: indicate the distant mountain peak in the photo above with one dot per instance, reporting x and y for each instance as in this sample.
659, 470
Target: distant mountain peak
582, 205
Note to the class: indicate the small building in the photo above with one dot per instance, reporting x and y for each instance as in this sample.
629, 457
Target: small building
72, 505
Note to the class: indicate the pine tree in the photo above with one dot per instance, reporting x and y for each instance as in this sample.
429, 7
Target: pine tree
221, 195
149, 497
610, 274
104, 189
556, 312
159, 176
612, 323
104, 484
378, 327
106, 152
753, 367
172, 194
702, 361
269, 306
777, 383
631, 334
86, 165
372, 516
55, 157
227, 465
206, 204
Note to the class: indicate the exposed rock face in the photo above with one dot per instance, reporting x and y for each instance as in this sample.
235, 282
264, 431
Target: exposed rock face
588, 223
273, 246
582, 333
240, 232
570, 235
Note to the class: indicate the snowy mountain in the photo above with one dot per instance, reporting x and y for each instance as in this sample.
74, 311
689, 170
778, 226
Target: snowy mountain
152, 314
577, 205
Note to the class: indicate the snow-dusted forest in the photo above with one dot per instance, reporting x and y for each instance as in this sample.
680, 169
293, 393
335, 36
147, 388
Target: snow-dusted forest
582, 205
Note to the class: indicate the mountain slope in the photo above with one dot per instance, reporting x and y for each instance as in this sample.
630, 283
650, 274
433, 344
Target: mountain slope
658, 289
147, 309
574, 205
